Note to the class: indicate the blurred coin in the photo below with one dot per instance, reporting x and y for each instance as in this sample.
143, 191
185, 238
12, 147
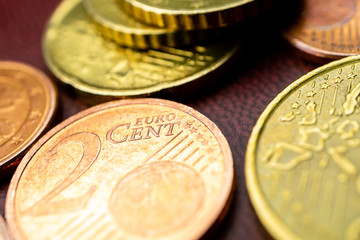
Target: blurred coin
302, 162
327, 29
78, 55
28, 103
128, 169
3, 232
189, 14
115, 24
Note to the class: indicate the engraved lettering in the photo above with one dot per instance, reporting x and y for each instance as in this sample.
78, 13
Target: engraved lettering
138, 122
147, 121
136, 134
152, 130
109, 135
171, 128
159, 118
143, 128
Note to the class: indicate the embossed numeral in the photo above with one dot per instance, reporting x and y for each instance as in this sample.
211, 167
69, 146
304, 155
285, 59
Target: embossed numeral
91, 146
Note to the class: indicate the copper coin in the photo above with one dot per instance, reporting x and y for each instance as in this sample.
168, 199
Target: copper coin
327, 29
28, 102
128, 169
3, 232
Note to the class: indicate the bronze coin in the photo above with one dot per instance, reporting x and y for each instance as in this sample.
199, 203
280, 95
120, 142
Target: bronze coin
327, 29
28, 103
128, 169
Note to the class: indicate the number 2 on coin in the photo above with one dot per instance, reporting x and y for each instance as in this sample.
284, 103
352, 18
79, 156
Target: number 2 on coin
91, 146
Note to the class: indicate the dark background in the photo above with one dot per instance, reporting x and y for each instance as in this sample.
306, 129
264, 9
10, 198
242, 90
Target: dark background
234, 100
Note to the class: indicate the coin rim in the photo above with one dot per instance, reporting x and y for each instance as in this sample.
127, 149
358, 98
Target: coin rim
190, 19
160, 11
267, 216
51, 107
90, 9
142, 37
315, 51
14, 226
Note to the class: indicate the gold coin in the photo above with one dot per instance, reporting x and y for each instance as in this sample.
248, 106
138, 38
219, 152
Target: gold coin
128, 169
302, 167
28, 102
201, 14
115, 24
78, 55
327, 29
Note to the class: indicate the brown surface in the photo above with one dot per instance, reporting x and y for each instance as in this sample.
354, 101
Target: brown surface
234, 103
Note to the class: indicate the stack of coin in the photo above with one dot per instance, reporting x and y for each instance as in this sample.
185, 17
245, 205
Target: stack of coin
179, 14
101, 48
114, 23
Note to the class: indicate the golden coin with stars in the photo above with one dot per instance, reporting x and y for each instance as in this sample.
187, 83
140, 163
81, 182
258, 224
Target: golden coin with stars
302, 167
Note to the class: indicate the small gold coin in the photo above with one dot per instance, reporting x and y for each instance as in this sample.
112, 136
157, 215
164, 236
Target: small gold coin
28, 103
327, 29
201, 14
128, 169
115, 24
302, 162
78, 55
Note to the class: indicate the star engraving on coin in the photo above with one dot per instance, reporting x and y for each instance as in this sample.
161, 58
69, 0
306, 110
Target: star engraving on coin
338, 80
35, 115
35, 91
311, 93
193, 130
351, 75
295, 105
325, 85
16, 140
188, 124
